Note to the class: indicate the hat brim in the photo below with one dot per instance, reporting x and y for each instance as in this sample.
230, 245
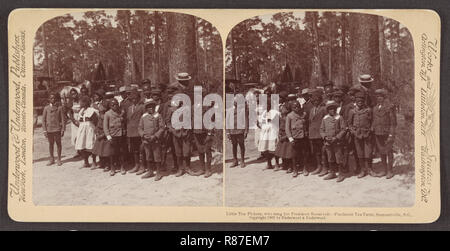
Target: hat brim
150, 104
183, 79
331, 106
365, 80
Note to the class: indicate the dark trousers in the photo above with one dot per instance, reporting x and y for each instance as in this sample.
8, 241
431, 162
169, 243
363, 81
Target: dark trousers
54, 137
119, 145
316, 146
182, 146
384, 148
238, 140
204, 147
134, 148
166, 144
349, 149
300, 150
152, 152
334, 153
364, 147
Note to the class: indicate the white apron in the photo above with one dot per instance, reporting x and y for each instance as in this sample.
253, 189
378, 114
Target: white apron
86, 130
73, 128
268, 135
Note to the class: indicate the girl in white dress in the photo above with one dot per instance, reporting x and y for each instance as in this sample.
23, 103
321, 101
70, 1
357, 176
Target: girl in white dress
268, 135
74, 110
85, 139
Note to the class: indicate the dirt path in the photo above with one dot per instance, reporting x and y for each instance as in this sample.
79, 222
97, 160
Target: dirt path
255, 186
70, 185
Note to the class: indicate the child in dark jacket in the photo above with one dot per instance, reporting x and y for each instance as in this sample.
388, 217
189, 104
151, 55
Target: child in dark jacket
113, 126
282, 150
297, 134
150, 128
54, 124
360, 123
333, 130
102, 148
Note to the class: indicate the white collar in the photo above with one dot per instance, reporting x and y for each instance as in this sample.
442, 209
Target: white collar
337, 116
155, 115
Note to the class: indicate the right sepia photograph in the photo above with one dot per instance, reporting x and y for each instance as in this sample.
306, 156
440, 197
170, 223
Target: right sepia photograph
333, 94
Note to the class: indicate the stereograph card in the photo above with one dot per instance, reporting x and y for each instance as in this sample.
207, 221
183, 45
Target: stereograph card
100, 101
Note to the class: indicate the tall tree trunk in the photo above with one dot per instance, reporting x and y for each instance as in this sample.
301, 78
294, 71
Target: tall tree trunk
382, 48
233, 57
157, 50
130, 46
344, 65
330, 28
365, 48
197, 45
205, 53
182, 56
316, 76
44, 44
142, 50
394, 50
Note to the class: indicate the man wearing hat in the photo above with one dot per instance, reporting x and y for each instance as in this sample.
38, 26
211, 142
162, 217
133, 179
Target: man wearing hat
365, 85
328, 89
146, 92
183, 84
166, 139
360, 122
349, 145
332, 131
124, 92
150, 128
351, 101
383, 126
305, 101
183, 78
133, 115
307, 96
156, 96
338, 97
316, 115
181, 139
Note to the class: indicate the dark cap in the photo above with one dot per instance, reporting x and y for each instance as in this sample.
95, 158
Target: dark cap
331, 104
360, 95
149, 102
381, 92
338, 93
156, 91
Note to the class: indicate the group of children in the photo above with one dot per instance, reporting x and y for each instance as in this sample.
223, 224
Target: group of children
321, 128
132, 128
318, 128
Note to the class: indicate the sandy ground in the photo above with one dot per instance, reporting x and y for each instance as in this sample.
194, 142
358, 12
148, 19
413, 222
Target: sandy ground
255, 186
70, 185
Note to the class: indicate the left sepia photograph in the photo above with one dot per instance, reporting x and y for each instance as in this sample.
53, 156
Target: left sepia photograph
103, 83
